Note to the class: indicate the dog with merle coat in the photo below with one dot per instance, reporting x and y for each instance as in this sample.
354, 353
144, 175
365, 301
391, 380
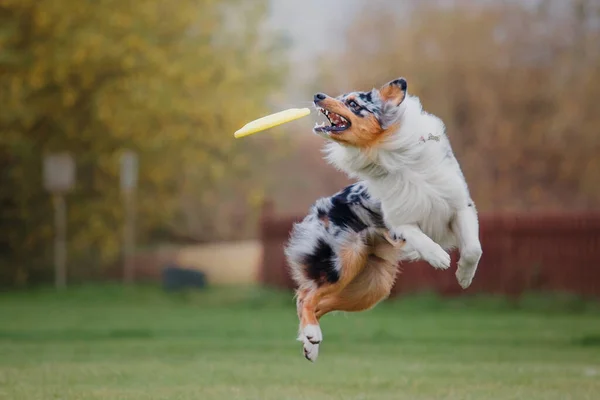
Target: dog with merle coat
411, 203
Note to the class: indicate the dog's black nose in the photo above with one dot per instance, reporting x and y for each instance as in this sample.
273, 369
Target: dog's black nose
320, 96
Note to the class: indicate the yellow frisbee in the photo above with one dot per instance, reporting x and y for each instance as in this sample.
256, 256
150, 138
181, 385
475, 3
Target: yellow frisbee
271, 121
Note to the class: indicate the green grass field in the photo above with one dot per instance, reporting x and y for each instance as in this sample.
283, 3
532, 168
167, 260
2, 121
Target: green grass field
108, 342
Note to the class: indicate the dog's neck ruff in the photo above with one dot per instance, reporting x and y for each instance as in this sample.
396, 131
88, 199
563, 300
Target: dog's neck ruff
407, 146
373, 168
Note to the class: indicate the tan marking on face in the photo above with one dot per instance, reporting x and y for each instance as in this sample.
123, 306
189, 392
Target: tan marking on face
363, 132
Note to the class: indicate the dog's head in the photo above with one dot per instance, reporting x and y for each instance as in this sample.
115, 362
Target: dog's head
361, 119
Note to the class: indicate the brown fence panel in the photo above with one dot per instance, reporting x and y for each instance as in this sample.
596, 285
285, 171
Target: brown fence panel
274, 234
521, 252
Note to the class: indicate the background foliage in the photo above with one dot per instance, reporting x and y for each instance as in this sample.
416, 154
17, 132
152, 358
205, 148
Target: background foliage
516, 82
97, 77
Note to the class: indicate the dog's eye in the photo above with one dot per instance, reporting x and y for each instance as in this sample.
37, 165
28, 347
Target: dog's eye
354, 105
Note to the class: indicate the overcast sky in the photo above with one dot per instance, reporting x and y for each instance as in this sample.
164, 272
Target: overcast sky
307, 22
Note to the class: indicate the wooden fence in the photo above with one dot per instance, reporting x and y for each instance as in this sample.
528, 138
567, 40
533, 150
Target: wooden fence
556, 252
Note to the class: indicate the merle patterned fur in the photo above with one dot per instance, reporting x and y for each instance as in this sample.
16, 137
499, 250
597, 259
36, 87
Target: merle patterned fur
315, 241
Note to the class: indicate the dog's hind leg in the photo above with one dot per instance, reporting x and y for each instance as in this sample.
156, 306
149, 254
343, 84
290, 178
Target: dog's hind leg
309, 331
370, 287
301, 294
466, 228
353, 259
373, 283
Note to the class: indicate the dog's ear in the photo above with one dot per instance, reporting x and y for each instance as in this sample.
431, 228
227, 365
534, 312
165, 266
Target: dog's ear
394, 92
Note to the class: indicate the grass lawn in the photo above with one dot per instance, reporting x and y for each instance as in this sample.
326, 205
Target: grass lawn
109, 342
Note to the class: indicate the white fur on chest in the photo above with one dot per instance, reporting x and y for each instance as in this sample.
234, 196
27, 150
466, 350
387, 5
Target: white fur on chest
410, 199
413, 173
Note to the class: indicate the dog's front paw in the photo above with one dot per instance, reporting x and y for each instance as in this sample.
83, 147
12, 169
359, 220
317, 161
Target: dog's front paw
437, 257
397, 236
467, 265
464, 277
394, 239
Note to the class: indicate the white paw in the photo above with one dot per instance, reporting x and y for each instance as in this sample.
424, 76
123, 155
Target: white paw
396, 236
464, 276
312, 334
467, 265
311, 351
437, 257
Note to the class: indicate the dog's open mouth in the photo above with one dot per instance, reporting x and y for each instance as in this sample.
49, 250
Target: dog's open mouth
337, 122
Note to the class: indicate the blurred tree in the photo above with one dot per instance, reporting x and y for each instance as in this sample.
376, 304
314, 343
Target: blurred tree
517, 85
171, 82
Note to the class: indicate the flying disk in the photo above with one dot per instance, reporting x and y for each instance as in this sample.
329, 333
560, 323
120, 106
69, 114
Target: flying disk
271, 121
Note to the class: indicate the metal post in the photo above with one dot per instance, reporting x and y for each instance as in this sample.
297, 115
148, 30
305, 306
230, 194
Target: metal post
59, 178
129, 236
129, 176
60, 247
